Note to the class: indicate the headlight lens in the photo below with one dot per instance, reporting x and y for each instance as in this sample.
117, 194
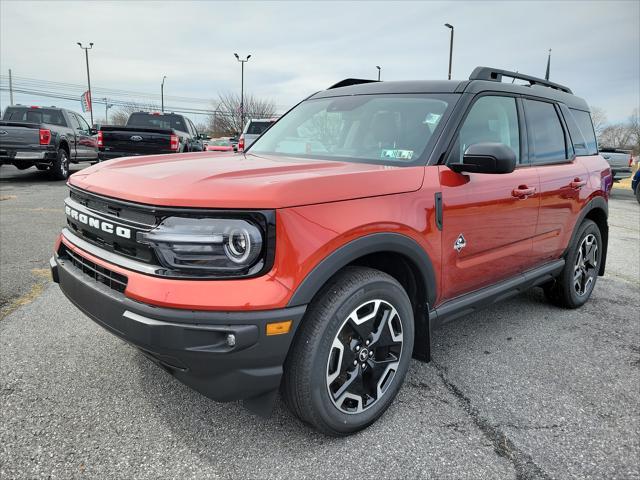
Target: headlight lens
207, 246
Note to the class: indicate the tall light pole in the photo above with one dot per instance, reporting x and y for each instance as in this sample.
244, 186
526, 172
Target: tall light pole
379, 68
448, 25
86, 56
242, 88
107, 106
162, 93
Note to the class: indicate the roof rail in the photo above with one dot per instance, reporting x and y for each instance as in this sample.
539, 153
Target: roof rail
350, 81
495, 75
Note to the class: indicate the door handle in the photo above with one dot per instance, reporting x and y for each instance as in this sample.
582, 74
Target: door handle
523, 191
577, 183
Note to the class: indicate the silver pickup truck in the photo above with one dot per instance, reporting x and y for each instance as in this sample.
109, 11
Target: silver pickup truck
620, 162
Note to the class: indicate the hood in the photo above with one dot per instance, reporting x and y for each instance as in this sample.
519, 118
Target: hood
238, 181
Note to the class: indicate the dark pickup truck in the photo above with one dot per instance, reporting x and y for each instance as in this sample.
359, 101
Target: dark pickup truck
48, 138
149, 133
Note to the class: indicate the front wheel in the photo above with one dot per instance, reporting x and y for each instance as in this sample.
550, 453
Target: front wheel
351, 353
574, 285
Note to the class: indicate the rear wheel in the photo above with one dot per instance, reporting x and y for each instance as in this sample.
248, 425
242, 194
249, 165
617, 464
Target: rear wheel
574, 285
351, 353
60, 168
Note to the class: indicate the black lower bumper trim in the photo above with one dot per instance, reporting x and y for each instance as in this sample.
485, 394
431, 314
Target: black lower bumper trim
224, 355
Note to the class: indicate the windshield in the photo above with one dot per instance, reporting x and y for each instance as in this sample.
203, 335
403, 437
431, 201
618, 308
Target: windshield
151, 120
394, 129
257, 127
34, 115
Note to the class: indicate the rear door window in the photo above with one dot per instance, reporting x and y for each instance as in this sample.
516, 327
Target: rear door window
257, 128
546, 135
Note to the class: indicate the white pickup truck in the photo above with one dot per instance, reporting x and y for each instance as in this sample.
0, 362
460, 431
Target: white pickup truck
620, 161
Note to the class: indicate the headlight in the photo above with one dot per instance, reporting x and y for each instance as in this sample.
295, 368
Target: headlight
207, 246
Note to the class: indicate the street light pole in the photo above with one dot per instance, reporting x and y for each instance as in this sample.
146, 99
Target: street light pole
162, 93
242, 88
448, 25
379, 68
86, 56
107, 106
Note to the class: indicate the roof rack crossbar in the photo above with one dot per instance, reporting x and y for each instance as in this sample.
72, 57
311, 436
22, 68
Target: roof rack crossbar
351, 81
495, 75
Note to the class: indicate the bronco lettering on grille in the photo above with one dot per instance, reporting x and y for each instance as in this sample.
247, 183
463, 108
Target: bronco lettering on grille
97, 223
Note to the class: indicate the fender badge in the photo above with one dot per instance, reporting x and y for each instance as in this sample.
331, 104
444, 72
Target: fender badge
460, 243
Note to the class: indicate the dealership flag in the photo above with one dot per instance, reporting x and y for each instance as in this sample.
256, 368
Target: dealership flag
85, 101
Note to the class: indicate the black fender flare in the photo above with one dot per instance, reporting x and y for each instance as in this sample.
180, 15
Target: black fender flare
365, 245
596, 203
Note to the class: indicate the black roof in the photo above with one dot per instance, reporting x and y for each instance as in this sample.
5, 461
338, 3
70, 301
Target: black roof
481, 80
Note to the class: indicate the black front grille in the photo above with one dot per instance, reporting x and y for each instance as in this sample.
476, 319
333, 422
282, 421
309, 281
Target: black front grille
111, 279
117, 214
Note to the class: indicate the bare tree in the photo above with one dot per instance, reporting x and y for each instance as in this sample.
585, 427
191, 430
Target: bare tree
227, 119
617, 135
599, 118
634, 130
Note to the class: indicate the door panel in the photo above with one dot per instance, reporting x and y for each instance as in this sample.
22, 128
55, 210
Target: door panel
497, 227
560, 188
562, 178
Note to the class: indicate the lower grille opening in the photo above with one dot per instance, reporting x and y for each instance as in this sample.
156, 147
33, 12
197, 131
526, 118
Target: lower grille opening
111, 279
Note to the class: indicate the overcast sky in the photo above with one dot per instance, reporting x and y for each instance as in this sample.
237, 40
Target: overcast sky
298, 48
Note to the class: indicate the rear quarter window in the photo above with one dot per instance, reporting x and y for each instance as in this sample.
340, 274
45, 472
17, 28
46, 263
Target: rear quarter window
583, 120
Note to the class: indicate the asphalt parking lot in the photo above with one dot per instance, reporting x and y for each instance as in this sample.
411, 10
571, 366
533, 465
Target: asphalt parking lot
522, 390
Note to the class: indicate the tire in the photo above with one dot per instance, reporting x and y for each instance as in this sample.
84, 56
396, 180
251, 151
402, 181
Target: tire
573, 287
60, 168
320, 362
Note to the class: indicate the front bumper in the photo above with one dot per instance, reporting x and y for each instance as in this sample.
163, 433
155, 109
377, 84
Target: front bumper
194, 346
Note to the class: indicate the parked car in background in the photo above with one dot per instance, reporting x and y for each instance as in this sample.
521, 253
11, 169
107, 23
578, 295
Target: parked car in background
219, 145
320, 265
635, 184
149, 133
620, 161
252, 130
48, 138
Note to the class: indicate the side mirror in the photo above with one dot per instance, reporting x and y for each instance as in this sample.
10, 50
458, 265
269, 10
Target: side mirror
486, 157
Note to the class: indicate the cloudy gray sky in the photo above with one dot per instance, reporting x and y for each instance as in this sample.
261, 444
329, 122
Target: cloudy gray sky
298, 48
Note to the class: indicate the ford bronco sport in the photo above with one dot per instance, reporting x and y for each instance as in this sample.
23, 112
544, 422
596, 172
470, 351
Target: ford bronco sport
319, 262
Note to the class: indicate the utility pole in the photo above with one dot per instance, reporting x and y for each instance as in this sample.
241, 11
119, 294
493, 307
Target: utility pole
86, 56
162, 93
448, 25
10, 89
242, 89
379, 68
107, 106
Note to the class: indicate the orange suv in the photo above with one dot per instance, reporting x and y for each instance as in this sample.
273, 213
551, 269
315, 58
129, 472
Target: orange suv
321, 260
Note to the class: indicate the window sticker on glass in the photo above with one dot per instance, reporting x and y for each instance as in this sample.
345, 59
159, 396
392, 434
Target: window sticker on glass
432, 119
397, 154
